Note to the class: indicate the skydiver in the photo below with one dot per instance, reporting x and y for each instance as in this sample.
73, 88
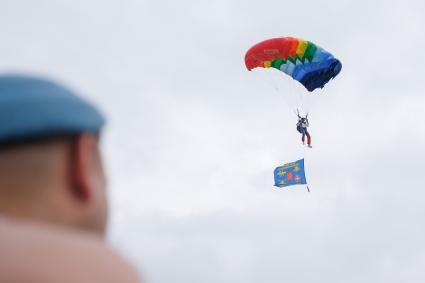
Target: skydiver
302, 125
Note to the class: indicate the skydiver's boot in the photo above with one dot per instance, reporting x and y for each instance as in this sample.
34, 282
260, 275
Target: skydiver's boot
309, 145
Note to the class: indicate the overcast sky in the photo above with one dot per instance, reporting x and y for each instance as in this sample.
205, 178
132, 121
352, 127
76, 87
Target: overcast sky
193, 137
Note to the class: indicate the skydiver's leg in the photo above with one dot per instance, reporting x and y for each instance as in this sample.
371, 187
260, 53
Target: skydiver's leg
308, 138
303, 131
299, 129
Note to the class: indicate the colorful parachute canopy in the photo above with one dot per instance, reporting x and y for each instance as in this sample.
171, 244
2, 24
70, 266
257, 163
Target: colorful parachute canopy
303, 60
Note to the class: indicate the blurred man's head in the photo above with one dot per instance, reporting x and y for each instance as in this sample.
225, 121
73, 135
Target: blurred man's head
50, 164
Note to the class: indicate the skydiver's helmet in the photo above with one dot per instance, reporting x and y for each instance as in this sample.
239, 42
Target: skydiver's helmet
303, 120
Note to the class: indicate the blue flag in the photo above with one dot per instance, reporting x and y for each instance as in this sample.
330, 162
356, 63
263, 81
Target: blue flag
290, 174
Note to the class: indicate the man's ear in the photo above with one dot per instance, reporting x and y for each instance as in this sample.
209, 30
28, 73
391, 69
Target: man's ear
83, 151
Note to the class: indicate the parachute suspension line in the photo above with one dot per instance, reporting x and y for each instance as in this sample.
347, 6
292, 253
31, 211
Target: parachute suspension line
304, 101
300, 98
269, 81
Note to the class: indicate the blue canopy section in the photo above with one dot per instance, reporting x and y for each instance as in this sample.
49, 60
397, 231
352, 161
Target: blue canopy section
290, 174
316, 75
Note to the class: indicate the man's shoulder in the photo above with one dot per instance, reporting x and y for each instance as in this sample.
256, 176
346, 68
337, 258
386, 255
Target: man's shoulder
40, 253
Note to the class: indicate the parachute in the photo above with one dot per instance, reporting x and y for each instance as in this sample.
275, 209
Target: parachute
304, 61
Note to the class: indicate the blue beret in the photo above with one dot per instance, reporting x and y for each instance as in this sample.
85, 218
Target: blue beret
32, 107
